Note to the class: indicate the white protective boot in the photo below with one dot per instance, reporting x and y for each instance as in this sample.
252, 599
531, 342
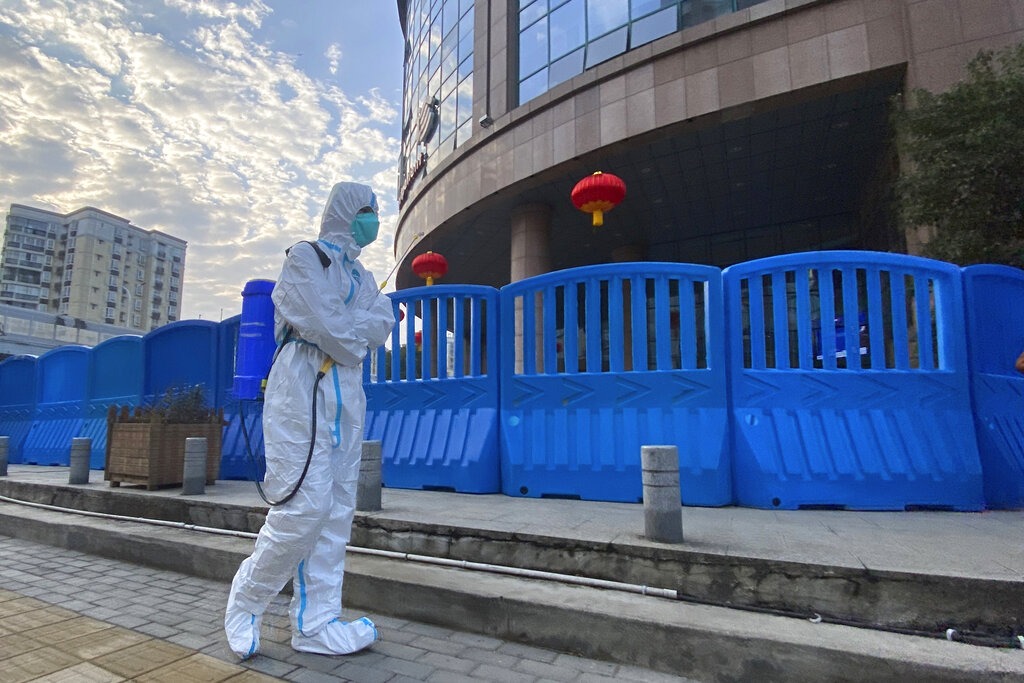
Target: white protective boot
337, 638
243, 630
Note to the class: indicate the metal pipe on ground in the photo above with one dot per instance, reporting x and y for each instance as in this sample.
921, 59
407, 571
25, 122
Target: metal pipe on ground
79, 470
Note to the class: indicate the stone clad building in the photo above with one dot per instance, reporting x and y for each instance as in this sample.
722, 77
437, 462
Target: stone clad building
742, 128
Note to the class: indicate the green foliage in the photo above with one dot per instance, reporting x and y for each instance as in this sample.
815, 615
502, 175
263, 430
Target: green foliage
182, 405
966, 150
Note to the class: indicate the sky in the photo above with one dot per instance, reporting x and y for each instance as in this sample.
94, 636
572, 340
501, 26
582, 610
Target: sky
224, 123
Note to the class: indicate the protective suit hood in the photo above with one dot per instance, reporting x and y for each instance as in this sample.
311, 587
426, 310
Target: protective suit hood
342, 206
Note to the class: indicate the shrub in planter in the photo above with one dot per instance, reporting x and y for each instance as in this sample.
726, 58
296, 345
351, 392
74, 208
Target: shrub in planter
146, 445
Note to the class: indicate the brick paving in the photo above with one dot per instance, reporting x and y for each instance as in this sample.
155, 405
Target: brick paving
68, 616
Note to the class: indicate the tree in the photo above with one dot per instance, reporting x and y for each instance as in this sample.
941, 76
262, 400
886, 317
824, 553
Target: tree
966, 153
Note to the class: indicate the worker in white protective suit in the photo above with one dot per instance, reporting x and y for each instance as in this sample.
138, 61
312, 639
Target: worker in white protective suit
328, 313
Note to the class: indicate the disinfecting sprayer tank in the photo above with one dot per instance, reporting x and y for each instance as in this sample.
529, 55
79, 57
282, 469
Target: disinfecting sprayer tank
255, 339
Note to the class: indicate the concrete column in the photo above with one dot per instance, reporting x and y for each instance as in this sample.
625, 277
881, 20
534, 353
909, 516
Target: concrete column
663, 516
193, 478
79, 472
368, 489
4, 445
530, 256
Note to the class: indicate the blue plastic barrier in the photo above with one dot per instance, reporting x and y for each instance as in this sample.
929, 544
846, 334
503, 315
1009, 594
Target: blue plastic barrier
643, 363
994, 298
17, 402
234, 462
181, 354
115, 378
61, 380
436, 408
889, 428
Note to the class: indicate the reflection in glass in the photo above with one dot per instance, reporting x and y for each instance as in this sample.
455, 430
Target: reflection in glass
607, 47
532, 13
699, 11
565, 68
567, 28
653, 27
465, 130
446, 125
533, 48
605, 15
451, 15
639, 8
465, 99
433, 68
466, 68
533, 86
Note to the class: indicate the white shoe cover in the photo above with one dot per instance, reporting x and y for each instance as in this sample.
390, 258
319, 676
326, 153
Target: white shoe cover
337, 638
243, 632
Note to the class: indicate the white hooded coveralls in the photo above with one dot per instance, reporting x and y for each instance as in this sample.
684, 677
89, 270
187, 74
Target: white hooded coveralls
337, 312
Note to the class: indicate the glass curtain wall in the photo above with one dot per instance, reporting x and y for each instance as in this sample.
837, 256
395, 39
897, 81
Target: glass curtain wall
558, 39
438, 88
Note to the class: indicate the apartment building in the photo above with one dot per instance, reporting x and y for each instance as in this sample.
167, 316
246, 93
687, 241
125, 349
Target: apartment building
93, 266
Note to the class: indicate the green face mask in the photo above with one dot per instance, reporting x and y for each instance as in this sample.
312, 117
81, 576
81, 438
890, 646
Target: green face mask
364, 228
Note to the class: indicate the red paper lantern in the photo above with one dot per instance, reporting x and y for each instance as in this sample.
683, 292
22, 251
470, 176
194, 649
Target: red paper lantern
598, 193
430, 266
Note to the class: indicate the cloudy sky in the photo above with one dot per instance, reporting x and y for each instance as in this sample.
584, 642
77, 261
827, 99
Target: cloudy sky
221, 122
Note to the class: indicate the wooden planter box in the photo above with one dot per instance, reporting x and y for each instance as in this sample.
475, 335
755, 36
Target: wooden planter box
152, 453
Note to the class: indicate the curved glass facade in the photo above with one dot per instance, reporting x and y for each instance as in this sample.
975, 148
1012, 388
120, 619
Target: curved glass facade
558, 39
437, 109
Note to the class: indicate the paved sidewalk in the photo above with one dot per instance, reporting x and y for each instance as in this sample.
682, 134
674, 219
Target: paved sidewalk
67, 616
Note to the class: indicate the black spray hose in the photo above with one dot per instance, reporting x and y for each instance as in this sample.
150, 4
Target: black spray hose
312, 442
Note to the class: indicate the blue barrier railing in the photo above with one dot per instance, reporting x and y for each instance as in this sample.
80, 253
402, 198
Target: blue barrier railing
846, 375
234, 460
60, 405
994, 297
434, 405
876, 416
114, 378
17, 402
601, 360
181, 354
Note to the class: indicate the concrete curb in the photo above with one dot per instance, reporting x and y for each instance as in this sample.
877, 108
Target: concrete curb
890, 599
703, 642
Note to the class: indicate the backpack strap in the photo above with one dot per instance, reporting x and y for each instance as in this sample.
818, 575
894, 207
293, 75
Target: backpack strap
325, 260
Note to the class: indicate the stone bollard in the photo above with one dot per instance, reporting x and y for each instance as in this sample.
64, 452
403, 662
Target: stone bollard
80, 450
663, 514
4, 441
368, 491
193, 479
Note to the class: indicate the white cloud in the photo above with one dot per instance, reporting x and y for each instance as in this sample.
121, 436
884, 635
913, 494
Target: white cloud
333, 55
206, 135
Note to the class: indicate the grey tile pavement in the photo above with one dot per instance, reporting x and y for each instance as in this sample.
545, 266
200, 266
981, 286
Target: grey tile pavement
186, 612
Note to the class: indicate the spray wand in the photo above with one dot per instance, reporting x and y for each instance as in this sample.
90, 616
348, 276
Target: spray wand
399, 261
